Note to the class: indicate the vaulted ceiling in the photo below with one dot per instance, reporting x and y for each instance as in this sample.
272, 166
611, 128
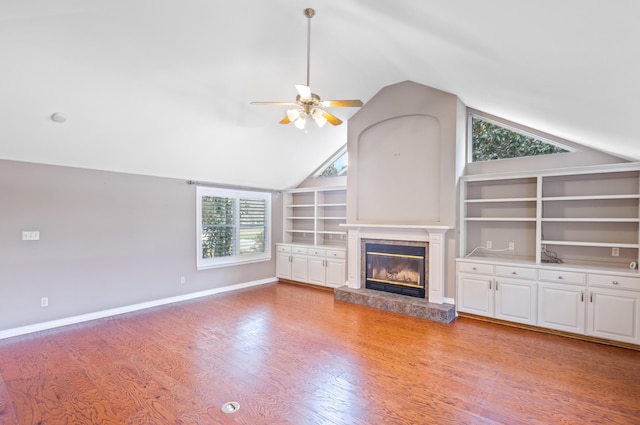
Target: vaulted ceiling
164, 87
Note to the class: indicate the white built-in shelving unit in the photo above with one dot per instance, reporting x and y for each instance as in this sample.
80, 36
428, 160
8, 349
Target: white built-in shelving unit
576, 239
585, 215
312, 216
314, 242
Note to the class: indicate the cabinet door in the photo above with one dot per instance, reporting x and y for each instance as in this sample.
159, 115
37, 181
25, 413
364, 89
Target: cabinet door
613, 314
515, 300
336, 271
561, 307
317, 270
283, 265
299, 268
475, 294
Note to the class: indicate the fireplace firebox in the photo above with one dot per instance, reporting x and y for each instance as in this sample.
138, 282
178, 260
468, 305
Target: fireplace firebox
394, 268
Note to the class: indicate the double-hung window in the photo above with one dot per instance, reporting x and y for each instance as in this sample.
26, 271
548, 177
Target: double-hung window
234, 227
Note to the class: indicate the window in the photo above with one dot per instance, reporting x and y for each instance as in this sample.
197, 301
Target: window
492, 140
336, 165
234, 227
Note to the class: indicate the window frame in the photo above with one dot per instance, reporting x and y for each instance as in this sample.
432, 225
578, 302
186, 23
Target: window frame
511, 126
237, 195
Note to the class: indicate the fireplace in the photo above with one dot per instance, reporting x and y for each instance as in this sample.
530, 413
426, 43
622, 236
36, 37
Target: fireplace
399, 267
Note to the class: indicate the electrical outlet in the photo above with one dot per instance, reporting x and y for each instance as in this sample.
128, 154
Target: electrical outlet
489, 244
512, 246
615, 252
183, 280
44, 302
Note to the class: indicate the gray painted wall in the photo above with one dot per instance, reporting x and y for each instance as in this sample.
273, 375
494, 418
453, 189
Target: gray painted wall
402, 157
107, 240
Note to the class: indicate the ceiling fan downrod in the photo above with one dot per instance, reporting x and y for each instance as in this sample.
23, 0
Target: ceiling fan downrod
309, 13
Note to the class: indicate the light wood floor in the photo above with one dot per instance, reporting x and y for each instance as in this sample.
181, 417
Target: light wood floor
292, 355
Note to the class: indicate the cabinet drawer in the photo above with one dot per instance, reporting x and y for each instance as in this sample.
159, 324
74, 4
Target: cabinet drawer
283, 248
317, 252
617, 282
475, 268
299, 250
516, 272
336, 254
562, 277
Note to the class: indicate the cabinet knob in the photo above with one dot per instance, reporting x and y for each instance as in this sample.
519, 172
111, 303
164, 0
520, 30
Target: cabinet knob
514, 273
615, 282
560, 278
474, 269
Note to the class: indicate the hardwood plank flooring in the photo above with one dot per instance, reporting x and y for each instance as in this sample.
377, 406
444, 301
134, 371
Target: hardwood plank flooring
290, 354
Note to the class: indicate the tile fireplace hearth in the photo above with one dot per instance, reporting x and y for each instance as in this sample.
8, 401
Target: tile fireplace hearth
411, 306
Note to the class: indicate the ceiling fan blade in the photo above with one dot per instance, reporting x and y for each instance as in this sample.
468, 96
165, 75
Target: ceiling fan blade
303, 91
275, 103
342, 103
285, 120
332, 119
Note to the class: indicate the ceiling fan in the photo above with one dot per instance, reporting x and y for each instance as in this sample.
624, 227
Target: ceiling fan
309, 104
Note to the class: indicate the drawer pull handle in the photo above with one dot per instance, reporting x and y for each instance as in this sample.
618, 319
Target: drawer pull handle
581, 296
590, 297
615, 282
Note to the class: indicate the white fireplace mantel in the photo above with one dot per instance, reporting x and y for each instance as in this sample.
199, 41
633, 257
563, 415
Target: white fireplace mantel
434, 234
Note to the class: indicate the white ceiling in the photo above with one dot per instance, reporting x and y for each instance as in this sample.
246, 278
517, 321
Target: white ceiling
162, 87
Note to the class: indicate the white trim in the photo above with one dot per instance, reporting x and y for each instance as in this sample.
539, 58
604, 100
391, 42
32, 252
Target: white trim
127, 309
584, 169
451, 301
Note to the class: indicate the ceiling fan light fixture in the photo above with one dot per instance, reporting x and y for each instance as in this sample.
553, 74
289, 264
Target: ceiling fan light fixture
316, 113
301, 122
304, 91
293, 114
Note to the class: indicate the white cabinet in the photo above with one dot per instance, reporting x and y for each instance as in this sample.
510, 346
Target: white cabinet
515, 300
327, 267
485, 291
283, 262
475, 294
561, 300
614, 308
603, 306
299, 267
561, 307
318, 266
336, 271
291, 262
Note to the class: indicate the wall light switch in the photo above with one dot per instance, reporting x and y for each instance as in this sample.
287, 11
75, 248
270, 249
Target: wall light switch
31, 235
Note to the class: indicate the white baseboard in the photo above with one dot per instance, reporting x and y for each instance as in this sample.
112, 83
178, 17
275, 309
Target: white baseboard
127, 309
449, 301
